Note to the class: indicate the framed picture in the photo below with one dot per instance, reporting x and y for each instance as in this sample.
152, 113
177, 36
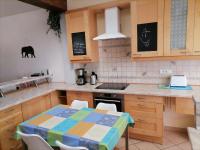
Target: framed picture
79, 43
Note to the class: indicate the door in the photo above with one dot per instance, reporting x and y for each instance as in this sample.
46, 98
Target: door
147, 28
179, 27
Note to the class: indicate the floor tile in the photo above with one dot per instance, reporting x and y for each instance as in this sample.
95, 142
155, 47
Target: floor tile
121, 142
131, 147
185, 146
146, 146
176, 137
173, 148
166, 143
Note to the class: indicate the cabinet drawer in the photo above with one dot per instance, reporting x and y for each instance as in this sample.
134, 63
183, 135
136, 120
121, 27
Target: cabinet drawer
148, 126
185, 106
11, 120
10, 111
143, 98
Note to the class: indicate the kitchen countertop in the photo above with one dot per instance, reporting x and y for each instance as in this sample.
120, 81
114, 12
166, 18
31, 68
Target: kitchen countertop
138, 89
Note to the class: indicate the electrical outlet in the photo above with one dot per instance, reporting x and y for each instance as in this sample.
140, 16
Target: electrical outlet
165, 71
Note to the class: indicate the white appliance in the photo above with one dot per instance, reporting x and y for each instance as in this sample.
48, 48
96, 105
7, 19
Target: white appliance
112, 25
178, 80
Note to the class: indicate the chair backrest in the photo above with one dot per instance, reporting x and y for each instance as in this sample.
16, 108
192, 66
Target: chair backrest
109, 107
65, 147
79, 104
34, 142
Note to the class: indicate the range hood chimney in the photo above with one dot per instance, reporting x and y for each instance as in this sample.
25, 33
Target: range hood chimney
112, 25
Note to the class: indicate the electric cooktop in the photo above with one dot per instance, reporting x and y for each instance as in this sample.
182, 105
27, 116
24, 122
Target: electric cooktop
113, 86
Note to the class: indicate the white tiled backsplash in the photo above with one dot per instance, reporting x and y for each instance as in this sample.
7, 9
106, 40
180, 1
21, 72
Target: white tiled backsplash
115, 65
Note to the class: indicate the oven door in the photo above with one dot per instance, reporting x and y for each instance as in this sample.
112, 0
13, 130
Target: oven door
117, 102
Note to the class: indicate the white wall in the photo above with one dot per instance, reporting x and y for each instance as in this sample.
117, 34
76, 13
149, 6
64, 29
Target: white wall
30, 29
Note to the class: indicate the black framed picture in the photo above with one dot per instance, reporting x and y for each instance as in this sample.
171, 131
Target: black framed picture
147, 37
79, 43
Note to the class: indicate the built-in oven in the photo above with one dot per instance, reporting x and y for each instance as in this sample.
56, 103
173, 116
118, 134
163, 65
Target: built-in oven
109, 98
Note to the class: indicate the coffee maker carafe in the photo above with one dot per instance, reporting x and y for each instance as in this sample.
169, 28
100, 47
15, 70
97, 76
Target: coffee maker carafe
81, 77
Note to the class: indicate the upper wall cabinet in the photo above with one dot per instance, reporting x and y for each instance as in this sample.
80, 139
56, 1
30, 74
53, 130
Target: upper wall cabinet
81, 29
179, 27
196, 50
147, 28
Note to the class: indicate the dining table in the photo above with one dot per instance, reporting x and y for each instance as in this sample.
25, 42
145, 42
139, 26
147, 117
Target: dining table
91, 128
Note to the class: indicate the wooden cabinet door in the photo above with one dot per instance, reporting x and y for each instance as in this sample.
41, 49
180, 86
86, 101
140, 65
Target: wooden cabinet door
7, 133
196, 50
185, 106
55, 100
36, 106
82, 96
83, 24
179, 27
146, 13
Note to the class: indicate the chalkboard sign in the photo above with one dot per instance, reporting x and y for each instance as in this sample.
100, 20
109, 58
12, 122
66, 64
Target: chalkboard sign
79, 43
147, 37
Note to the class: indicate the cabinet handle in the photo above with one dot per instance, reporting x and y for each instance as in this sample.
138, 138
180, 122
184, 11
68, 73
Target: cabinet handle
141, 105
140, 120
197, 51
140, 98
183, 52
136, 54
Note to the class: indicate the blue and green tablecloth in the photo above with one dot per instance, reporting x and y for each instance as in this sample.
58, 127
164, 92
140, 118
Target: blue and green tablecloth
91, 128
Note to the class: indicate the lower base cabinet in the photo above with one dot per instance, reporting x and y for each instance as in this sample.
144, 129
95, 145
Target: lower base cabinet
82, 96
8, 124
36, 106
147, 112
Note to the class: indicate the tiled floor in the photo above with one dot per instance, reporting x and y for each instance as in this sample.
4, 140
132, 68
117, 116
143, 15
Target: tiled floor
172, 141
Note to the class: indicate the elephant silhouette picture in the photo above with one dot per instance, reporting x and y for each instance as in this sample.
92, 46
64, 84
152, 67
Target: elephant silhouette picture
26, 51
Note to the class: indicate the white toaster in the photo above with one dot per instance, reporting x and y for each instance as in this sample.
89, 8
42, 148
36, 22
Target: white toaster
178, 80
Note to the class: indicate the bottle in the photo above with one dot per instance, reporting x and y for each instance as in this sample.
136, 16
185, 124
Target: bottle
93, 78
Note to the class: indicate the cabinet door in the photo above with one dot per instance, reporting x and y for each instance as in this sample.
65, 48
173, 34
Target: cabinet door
36, 106
7, 132
82, 96
55, 100
196, 50
147, 28
81, 29
179, 27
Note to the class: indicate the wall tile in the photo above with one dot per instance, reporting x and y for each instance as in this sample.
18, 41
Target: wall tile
115, 65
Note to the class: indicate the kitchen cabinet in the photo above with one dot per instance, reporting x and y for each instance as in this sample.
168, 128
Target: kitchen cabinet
179, 27
81, 29
58, 97
82, 96
196, 50
9, 119
148, 114
36, 106
185, 106
147, 28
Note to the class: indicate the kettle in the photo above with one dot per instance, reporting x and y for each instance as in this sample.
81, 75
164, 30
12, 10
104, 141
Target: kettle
93, 78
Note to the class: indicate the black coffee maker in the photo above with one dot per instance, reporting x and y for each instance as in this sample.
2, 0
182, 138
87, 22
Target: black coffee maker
81, 76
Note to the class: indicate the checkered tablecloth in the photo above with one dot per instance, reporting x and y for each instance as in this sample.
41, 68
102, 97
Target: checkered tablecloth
91, 128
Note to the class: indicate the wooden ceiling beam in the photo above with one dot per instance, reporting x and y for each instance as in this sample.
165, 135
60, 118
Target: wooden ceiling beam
57, 5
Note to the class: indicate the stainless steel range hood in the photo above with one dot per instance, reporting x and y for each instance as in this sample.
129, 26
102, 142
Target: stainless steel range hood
112, 25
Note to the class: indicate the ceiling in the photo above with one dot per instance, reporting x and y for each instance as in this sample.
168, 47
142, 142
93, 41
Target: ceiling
13, 7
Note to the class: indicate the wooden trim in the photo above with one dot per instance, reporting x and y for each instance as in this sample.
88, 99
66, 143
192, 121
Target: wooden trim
122, 4
57, 5
172, 58
146, 138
